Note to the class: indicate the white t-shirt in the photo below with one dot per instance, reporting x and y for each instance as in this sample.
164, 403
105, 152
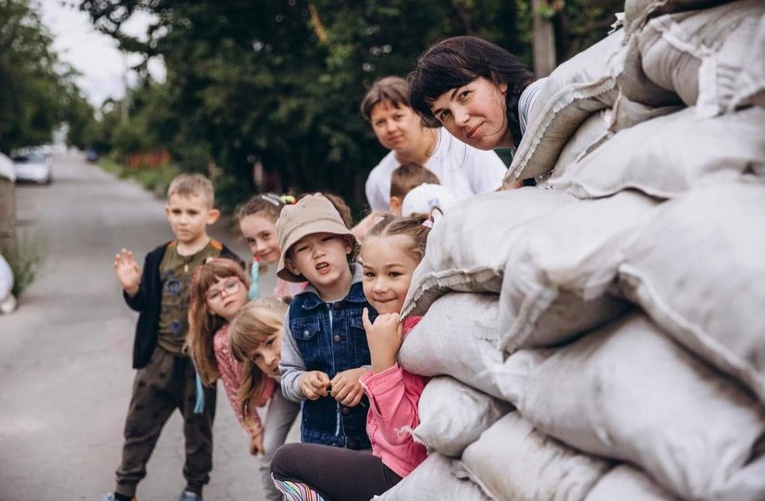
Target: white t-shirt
464, 170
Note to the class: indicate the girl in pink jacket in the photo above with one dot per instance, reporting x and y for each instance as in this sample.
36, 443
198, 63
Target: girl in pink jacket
391, 251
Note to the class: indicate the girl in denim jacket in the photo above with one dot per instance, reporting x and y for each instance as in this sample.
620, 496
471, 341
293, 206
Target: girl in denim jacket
392, 250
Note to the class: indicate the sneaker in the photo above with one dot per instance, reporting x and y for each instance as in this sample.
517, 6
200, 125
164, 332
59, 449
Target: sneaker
112, 497
190, 496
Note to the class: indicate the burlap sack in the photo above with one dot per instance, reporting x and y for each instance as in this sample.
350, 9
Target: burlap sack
697, 269
560, 274
453, 415
638, 12
629, 393
627, 483
468, 248
457, 337
438, 478
749, 88
699, 54
514, 461
670, 155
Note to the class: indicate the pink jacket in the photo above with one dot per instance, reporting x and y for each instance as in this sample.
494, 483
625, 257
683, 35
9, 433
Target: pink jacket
230, 374
394, 395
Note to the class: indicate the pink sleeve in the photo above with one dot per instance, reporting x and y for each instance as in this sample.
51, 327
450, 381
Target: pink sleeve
394, 394
230, 375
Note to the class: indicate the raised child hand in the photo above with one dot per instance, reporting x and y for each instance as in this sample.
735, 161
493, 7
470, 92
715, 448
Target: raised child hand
128, 271
384, 338
314, 384
346, 387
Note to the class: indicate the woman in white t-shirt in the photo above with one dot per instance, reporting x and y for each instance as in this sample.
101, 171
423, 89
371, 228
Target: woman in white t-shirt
464, 170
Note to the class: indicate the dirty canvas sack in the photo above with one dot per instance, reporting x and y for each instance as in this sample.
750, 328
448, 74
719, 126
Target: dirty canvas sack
630, 393
749, 88
638, 12
438, 478
746, 484
575, 90
698, 269
457, 337
467, 249
628, 483
699, 54
453, 415
514, 461
559, 276
669, 155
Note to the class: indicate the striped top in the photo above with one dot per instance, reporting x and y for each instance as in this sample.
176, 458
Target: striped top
526, 101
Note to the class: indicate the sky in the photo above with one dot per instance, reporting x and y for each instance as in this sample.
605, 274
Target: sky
93, 54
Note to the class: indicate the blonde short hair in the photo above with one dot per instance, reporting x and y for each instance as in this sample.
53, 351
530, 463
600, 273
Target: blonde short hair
186, 185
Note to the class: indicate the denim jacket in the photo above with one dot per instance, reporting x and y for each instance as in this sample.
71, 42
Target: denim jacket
327, 337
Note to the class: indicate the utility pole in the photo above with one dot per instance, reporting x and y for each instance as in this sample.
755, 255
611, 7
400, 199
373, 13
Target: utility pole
544, 40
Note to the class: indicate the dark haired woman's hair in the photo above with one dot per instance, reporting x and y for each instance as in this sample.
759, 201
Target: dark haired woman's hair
457, 61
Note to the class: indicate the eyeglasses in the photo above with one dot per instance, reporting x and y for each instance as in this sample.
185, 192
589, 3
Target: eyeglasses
230, 287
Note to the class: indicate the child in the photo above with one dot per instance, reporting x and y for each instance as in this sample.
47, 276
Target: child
257, 222
392, 250
324, 349
165, 379
256, 341
219, 293
404, 179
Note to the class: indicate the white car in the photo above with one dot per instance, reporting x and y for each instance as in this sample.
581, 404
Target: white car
33, 166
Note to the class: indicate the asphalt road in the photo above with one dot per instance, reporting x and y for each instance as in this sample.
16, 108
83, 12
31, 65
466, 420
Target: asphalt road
65, 354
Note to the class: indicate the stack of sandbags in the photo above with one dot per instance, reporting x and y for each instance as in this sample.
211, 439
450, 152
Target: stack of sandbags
599, 336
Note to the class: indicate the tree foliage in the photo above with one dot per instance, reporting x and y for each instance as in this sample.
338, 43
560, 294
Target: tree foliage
280, 81
36, 90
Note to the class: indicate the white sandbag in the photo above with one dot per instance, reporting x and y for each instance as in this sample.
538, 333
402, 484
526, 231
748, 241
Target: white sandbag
698, 269
576, 89
627, 483
438, 478
670, 155
457, 337
453, 415
699, 54
6, 278
560, 273
514, 461
749, 88
638, 12
747, 484
629, 393
468, 248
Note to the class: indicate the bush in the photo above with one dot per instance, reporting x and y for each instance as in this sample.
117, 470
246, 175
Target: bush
26, 259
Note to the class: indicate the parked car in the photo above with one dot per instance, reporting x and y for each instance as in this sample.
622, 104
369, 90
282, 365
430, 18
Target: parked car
33, 166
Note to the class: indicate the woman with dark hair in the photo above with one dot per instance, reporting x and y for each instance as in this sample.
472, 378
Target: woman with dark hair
478, 91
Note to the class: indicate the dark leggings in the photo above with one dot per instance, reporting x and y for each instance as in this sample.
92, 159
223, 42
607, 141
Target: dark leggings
337, 474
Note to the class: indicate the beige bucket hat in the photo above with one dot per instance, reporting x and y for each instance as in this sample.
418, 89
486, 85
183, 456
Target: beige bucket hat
311, 214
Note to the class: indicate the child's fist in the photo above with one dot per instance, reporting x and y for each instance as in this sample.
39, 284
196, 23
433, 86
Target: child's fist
314, 384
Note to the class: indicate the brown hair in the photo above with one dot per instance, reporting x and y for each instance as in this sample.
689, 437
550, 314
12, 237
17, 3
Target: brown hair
408, 176
256, 322
415, 227
202, 323
392, 90
268, 205
186, 185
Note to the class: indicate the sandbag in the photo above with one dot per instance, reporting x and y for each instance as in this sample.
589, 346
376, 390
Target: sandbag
629, 393
747, 484
627, 483
576, 89
468, 248
560, 274
699, 54
670, 155
638, 12
749, 88
438, 478
453, 415
457, 337
513, 461
698, 269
